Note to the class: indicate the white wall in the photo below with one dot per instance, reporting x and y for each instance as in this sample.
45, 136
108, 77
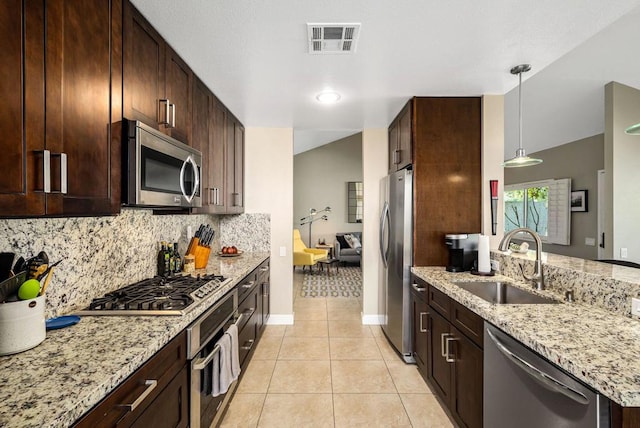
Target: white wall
374, 168
269, 189
320, 179
622, 163
492, 158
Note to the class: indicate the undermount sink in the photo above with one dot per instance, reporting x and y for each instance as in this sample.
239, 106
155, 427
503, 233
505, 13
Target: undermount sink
502, 293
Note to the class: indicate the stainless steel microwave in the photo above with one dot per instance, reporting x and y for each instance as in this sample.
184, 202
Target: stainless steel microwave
158, 171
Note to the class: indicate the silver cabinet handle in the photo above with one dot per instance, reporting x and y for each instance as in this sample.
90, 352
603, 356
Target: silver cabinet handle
249, 312
264, 268
396, 157
418, 289
212, 196
236, 199
63, 173
422, 329
249, 346
173, 116
443, 336
546, 380
46, 171
447, 357
248, 284
151, 385
166, 113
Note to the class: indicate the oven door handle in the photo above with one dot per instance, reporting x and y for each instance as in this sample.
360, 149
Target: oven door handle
201, 363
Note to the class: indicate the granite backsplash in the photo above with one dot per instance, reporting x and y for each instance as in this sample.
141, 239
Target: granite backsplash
101, 254
604, 285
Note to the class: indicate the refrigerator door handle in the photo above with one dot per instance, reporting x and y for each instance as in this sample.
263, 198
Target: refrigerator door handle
384, 228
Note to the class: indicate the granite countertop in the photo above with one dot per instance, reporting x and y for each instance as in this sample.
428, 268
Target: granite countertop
597, 346
56, 382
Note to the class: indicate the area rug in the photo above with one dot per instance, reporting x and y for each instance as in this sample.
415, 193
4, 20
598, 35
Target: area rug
346, 283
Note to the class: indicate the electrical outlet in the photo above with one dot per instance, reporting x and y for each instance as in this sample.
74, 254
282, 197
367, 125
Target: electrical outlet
283, 251
495, 265
635, 306
624, 253
189, 232
590, 241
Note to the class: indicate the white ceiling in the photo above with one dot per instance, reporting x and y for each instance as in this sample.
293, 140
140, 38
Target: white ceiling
253, 54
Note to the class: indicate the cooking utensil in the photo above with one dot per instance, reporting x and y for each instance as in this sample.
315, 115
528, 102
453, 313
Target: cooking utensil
20, 266
46, 281
6, 261
44, 258
46, 272
9, 288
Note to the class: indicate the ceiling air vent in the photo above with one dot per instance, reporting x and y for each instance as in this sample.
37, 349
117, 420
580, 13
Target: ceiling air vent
333, 38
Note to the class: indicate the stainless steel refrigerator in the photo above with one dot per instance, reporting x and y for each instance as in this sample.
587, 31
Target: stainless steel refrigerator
396, 236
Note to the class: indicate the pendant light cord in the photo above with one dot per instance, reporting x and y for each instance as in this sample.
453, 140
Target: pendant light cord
520, 109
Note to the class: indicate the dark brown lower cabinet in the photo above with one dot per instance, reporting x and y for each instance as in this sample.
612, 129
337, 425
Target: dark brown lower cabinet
155, 395
447, 343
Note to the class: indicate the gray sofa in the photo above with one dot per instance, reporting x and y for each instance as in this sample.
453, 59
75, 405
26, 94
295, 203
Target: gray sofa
346, 254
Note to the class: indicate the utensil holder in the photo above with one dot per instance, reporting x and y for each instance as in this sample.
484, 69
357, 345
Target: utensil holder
201, 254
22, 325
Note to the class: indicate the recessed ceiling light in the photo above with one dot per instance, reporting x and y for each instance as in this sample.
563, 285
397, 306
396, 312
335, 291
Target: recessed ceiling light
328, 97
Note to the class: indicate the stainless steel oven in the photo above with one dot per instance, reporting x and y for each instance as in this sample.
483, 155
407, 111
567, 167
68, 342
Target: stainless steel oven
202, 336
158, 171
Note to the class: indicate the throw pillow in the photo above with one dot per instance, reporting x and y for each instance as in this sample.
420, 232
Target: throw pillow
343, 242
353, 241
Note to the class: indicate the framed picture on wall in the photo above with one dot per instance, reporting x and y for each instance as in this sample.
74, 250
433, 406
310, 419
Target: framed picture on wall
579, 201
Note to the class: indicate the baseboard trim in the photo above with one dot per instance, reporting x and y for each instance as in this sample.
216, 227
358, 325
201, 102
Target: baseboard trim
280, 319
372, 319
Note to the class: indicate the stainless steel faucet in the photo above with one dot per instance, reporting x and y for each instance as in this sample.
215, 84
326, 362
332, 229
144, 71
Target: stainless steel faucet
537, 278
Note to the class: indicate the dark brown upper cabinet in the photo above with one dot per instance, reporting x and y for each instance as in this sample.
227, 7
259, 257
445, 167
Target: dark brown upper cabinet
400, 141
61, 85
157, 82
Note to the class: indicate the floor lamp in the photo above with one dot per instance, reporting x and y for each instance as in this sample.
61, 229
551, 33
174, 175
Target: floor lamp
313, 216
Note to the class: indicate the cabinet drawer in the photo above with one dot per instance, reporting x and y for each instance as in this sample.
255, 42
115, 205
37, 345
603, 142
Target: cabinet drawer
246, 340
440, 302
247, 308
419, 288
247, 285
151, 379
468, 322
171, 408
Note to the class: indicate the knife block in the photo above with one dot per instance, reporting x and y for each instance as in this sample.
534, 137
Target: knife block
201, 253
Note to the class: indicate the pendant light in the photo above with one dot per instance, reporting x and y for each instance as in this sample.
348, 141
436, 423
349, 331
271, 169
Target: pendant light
633, 129
521, 158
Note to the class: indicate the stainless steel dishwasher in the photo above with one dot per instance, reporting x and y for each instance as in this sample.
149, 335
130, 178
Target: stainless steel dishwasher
524, 390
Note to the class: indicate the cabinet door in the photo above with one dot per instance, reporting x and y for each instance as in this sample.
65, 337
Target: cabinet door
235, 165
217, 153
420, 311
144, 70
83, 87
439, 368
200, 140
178, 92
393, 146
467, 381
22, 119
404, 157
171, 408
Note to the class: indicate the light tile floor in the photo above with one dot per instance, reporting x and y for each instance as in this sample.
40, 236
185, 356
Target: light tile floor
329, 370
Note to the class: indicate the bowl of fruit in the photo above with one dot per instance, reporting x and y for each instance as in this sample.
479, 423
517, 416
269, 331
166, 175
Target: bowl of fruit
231, 251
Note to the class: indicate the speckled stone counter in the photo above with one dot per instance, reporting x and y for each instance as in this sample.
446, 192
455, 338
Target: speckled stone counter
55, 383
595, 345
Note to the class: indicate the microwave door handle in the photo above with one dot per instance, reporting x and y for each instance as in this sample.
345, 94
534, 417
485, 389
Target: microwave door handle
196, 174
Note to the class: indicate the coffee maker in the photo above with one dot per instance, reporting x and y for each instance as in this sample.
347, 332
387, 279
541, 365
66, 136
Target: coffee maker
463, 251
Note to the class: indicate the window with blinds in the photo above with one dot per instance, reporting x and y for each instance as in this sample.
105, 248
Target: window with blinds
543, 206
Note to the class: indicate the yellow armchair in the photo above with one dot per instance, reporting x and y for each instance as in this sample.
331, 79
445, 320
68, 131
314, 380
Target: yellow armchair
304, 256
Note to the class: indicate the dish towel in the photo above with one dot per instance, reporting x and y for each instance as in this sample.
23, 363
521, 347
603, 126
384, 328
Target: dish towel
215, 375
222, 377
232, 331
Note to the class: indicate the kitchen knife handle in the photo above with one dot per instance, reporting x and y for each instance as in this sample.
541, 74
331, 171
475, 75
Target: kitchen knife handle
166, 113
151, 385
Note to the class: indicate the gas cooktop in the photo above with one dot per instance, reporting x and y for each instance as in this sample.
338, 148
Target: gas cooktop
157, 296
